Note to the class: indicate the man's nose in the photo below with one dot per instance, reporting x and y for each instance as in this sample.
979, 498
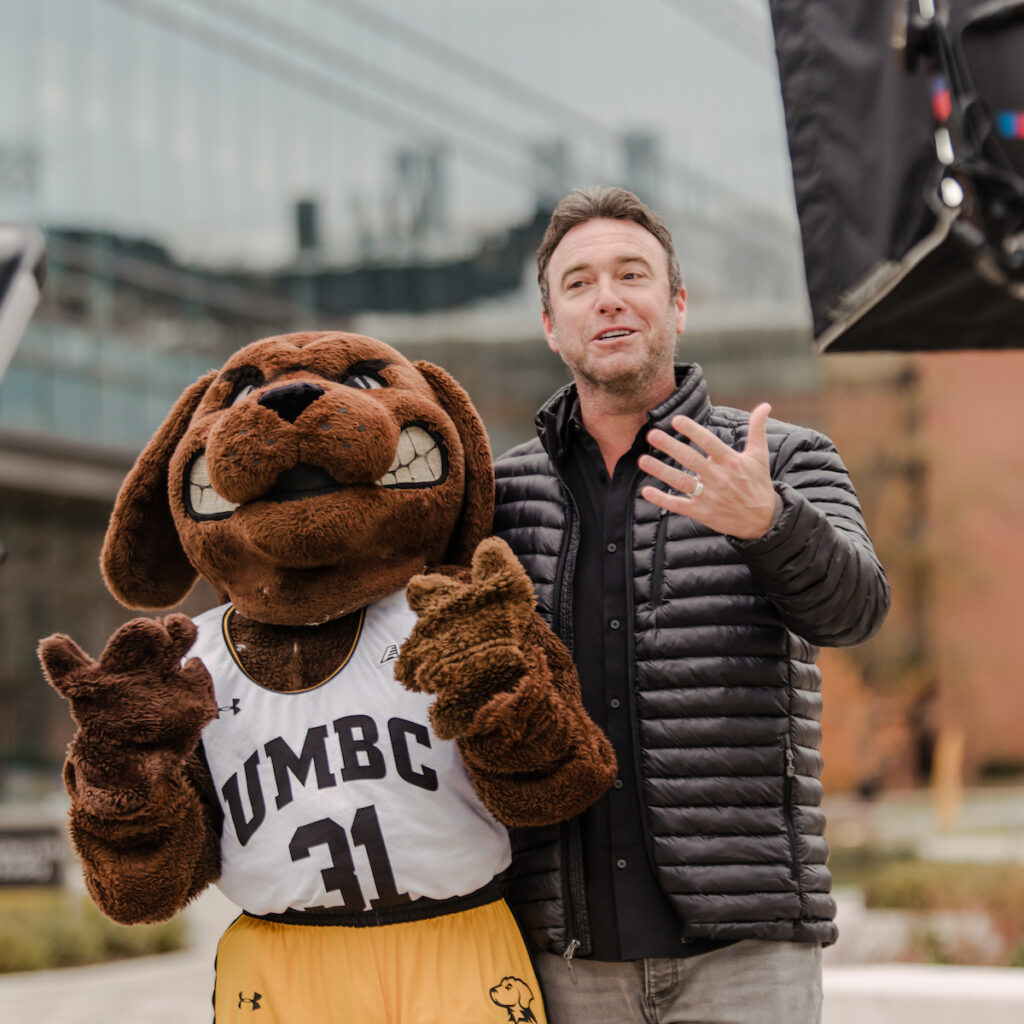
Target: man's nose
609, 298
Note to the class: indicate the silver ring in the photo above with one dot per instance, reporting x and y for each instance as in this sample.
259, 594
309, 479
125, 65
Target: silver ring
698, 490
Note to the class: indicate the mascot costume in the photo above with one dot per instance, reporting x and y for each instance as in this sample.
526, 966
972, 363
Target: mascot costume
342, 743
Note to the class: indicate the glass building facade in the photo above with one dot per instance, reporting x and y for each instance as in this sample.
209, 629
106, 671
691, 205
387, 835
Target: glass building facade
204, 138
208, 172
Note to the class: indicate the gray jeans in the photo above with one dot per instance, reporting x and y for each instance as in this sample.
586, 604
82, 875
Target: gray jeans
749, 982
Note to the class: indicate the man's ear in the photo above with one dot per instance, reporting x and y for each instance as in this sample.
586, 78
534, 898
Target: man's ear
143, 562
549, 330
680, 304
476, 519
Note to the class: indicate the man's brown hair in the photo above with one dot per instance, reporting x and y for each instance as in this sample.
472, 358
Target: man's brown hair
583, 204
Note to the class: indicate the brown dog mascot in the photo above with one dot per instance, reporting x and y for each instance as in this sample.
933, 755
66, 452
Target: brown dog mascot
342, 742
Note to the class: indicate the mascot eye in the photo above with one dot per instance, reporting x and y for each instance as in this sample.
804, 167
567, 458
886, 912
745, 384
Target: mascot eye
365, 375
243, 391
364, 381
244, 381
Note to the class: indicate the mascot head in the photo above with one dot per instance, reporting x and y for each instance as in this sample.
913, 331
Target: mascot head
310, 475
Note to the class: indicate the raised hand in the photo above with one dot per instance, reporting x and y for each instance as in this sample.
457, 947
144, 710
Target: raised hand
138, 694
137, 815
465, 646
726, 490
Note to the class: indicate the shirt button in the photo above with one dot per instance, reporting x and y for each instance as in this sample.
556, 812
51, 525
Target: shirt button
612, 548
615, 702
618, 783
620, 863
615, 624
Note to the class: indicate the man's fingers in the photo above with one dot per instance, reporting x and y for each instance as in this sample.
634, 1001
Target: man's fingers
676, 450
655, 496
732, 492
713, 447
708, 446
677, 479
757, 434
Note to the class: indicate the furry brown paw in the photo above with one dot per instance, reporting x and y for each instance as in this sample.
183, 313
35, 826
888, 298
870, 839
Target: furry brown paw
138, 693
465, 645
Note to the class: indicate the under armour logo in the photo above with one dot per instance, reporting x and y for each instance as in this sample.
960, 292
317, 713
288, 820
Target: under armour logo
390, 653
256, 997
235, 707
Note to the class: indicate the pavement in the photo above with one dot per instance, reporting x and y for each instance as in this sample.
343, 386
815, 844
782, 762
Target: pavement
923, 994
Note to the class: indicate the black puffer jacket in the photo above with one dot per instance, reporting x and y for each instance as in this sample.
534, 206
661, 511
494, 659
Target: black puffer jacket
726, 693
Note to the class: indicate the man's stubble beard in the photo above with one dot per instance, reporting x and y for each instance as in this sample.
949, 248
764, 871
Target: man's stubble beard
633, 381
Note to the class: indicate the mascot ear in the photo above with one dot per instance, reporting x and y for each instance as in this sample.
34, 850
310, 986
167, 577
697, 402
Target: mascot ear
143, 562
476, 519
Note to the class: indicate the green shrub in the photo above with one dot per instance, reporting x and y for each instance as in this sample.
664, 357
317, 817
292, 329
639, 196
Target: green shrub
933, 949
41, 928
911, 884
917, 885
856, 865
999, 768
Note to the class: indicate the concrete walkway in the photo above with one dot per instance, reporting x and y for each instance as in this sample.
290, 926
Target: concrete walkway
923, 994
174, 988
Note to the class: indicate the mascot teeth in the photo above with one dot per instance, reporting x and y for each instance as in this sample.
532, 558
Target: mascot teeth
418, 461
204, 499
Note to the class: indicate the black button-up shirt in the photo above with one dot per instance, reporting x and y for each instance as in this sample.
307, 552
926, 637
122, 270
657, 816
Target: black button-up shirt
630, 917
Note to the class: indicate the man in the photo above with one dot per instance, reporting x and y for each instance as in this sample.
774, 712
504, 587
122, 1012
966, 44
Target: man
691, 557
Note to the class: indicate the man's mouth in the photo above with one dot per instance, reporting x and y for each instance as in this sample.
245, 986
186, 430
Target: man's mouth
420, 461
617, 332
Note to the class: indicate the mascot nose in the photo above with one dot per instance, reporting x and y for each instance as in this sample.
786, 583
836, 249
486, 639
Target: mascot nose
290, 400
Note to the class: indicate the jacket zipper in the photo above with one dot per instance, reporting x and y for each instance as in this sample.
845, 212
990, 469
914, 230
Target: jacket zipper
787, 807
569, 953
560, 622
787, 789
658, 569
634, 725
572, 845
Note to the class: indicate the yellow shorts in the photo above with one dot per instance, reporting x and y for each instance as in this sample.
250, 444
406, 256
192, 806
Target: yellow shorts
468, 967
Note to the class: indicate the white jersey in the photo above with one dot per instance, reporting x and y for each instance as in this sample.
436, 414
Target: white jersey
340, 795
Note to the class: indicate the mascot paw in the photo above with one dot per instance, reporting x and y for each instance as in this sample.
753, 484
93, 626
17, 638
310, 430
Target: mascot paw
465, 645
138, 693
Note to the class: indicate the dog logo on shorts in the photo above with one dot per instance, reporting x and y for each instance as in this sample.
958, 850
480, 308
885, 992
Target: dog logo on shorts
515, 996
